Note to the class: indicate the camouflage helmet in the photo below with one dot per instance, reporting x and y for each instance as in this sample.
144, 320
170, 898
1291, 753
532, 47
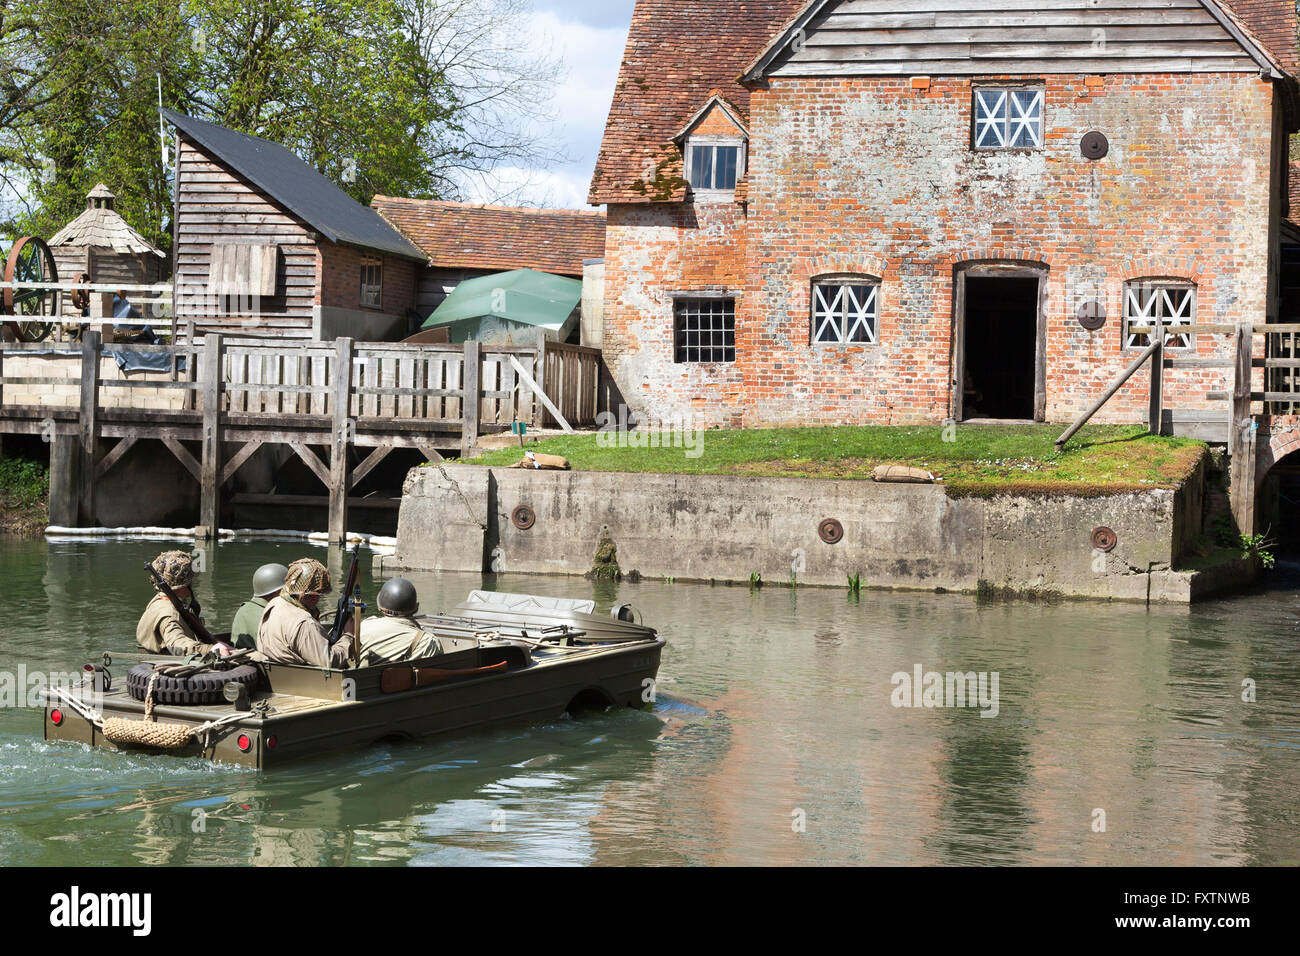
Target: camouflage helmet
397, 597
174, 567
307, 576
268, 579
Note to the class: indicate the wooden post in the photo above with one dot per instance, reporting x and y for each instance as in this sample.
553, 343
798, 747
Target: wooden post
65, 480
469, 405
191, 363
1155, 406
539, 413
343, 425
1241, 437
88, 428
210, 465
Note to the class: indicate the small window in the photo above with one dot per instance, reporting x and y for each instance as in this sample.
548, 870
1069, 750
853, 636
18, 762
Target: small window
1148, 304
705, 330
712, 166
844, 312
1008, 118
372, 282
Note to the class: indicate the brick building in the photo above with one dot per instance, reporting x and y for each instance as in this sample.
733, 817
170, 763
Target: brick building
466, 240
267, 246
866, 211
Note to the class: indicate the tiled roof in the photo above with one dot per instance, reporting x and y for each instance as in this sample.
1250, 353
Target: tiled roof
104, 228
678, 53
465, 236
1273, 24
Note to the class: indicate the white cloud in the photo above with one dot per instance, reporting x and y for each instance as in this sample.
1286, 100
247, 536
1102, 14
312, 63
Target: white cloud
591, 56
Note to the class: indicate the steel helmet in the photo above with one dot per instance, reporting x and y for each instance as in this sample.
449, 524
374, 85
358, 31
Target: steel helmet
397, 596
268, 579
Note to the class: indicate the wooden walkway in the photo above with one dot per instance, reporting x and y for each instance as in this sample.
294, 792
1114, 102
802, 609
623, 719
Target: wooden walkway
231, 397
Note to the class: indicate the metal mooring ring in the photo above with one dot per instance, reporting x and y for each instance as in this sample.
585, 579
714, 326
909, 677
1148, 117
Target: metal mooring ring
830, 531
523, 518
1104, 539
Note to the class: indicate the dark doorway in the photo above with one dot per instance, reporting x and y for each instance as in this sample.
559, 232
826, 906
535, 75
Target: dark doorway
1001, 345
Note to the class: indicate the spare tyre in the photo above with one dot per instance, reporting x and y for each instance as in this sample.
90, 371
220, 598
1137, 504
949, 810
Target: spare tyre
201, 688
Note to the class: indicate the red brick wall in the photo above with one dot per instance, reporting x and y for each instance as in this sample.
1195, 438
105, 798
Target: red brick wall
339, 267
876, 176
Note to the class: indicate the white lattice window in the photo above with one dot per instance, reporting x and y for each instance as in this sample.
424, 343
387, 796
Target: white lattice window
845, 312
1151, 304
1007, 118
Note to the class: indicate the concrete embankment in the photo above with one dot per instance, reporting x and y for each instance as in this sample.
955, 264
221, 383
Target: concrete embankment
721, 528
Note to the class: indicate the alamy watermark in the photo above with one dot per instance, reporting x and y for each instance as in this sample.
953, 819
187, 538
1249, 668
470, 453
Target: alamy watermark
630, 429
37, 688
923, 688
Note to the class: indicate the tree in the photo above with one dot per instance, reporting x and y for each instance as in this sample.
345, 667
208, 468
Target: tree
405, 97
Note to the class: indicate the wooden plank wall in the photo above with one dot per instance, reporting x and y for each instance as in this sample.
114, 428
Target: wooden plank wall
215, 206
995, 37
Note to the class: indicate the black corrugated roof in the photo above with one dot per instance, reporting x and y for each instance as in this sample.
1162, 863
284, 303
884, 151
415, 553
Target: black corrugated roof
297, 187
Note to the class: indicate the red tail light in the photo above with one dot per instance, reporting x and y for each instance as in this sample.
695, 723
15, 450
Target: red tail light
56, 717
271, 741
244, 742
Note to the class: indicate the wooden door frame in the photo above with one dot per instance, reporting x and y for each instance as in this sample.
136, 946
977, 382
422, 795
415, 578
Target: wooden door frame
997, 269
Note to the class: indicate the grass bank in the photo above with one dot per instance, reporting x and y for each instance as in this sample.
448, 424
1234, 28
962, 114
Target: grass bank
24, 497
971, 459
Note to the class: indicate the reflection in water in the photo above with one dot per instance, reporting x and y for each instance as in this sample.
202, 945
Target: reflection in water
774, 739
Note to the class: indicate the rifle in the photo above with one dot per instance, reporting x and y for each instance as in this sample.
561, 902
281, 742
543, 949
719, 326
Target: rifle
346, 599
189, 617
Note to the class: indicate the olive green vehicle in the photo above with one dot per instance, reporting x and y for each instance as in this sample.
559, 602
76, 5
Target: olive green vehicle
507, 658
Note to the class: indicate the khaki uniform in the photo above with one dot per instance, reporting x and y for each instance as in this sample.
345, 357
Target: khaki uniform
385, 640
161, 630
290, 634
243, 632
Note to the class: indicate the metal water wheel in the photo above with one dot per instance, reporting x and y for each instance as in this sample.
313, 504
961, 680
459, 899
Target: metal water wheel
30, 260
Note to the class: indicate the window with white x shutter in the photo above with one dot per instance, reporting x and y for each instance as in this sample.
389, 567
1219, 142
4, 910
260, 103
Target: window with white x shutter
1008, 118
845, 311
1148, 304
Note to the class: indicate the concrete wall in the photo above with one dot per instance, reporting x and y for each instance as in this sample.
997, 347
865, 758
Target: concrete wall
328, 324
458, 517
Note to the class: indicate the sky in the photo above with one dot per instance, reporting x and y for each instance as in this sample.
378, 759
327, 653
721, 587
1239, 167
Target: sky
589, 35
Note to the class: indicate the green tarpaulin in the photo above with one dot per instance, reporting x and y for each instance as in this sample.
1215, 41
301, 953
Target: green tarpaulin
490, 307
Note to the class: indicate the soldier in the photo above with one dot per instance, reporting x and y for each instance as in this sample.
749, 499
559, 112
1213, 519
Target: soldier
267, 582
162, 630
395, 636
290, 631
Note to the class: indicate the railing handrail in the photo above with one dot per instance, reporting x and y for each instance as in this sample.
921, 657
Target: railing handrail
1114, 387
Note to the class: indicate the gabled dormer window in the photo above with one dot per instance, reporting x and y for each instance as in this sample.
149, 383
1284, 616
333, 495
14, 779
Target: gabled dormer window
714, 164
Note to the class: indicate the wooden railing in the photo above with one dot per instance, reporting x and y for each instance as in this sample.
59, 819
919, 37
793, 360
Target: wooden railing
385, 381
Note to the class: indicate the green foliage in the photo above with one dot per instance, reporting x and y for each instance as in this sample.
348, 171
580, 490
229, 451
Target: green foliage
23, 482
1257, 546
755, 580
855, 583
383, 96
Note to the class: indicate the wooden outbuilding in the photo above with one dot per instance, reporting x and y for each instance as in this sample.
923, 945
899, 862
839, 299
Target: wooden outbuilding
266, 246
103, 245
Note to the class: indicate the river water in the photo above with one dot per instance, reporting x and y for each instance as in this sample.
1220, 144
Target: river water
1120, 737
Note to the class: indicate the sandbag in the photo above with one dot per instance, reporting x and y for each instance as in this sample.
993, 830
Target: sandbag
901, 473
537, 460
